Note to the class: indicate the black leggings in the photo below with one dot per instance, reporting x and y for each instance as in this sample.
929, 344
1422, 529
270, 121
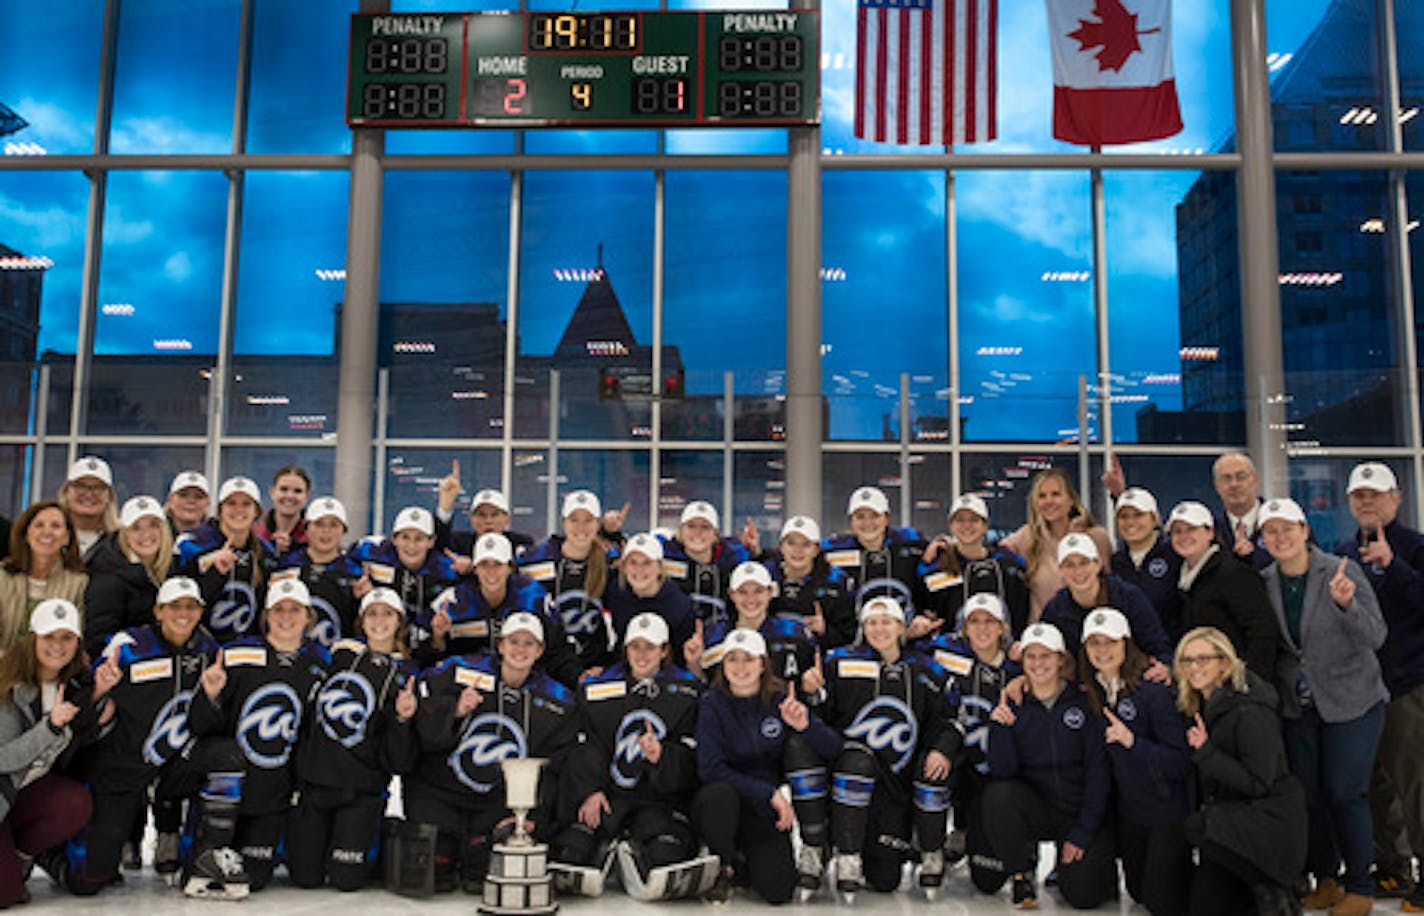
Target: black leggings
1156, 866
1019, 819
747, 839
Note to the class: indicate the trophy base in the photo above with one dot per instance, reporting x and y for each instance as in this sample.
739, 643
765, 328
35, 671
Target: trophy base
519, 883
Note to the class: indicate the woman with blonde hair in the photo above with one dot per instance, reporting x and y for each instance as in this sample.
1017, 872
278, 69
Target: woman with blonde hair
1250, 822
43, 563
125, 571
1054, 511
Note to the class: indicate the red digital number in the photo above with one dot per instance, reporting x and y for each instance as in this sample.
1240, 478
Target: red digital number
514, 97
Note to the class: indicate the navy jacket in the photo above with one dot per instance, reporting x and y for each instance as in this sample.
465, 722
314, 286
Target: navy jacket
1150, 778
1059, 751
1067, 615
742, 740
670, 603
825, 586
1157, 577
1400, 589
705, 583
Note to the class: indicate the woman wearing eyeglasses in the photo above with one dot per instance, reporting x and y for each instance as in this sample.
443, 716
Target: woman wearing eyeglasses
1250, 825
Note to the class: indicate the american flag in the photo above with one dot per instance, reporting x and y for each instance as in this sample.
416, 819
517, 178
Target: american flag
926, 71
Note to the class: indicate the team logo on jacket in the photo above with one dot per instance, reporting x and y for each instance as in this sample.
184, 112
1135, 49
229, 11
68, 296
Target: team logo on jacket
894, 588
169, 731
234, 610
887, 725
489, 739
711, 610
771, 728
582, 617
1127, 710
626, 750
327, 629
1073, 717
267, 725
1157, 568
344, 706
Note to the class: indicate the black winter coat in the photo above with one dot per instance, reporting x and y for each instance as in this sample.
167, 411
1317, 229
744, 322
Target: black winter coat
1231, 597
120, 595
1251, 804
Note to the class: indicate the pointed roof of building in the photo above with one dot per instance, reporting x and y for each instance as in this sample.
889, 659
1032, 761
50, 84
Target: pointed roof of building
598, 326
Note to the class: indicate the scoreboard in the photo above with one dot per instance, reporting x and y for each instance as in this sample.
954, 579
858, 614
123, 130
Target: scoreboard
646, 68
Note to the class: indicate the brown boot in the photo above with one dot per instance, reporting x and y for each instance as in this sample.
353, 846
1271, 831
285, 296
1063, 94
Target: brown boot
1353, 905
1327, 893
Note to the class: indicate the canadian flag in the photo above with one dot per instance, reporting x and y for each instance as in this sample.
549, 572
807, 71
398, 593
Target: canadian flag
1112, 71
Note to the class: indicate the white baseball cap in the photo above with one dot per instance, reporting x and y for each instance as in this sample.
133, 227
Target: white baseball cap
972, 503
494, 547
1106, 621
326, 507
989, 603
522, 622
185, 479
90, 466
1191, 513
749, 572
744, 640
234, 485
649, 626
1042, 634
414, 517
140, 507
1287, 509
645, 544
872, 498
699, 509
179, 587
295, 589
386, 596
803, 525
581, 500
1139, 499
1077, 545
883, 606
489, 498
54, 614
1372, 475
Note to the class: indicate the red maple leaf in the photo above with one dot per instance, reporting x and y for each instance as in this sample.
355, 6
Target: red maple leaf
1115, 33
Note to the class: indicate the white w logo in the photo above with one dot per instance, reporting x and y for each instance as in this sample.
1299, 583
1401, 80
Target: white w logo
267, 726
327, 629
233, 612
344, 706
169, 731
626, 750
886, 723
581, 615
489, 739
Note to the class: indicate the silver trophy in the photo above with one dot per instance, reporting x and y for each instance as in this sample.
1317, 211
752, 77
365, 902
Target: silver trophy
518, 881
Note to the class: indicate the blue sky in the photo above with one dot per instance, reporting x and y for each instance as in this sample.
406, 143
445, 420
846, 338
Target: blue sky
1024, 339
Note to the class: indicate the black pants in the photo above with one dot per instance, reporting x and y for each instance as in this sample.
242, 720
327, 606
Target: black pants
986, 869
259, 836
1156, 866
1019, 819
464, 833
93, 856
747, 839
1222, 882
663, 836
875, 812
333, 834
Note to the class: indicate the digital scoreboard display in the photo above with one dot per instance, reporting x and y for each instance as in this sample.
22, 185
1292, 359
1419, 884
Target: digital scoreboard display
626, 69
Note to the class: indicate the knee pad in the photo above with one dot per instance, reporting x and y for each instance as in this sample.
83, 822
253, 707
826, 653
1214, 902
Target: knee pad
853, 783
575, 845
347, 869
798, 754
931, 797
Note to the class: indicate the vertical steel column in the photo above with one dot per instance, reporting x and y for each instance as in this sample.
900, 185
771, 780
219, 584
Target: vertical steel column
360, 320
41, 431
511, 330
220, 382
655, 405
951, 278
905, 497
93, 234
804, 427
551, 488
1397, 235
1264, 365
383, 410
1083, 455
1100, 321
